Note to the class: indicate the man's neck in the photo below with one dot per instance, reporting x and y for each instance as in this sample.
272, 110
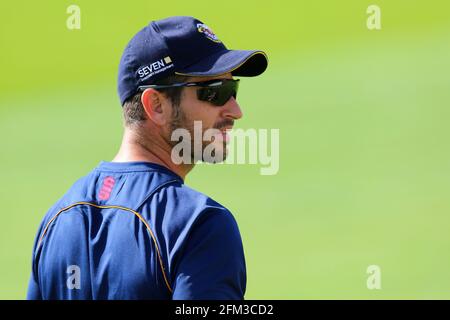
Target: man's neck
136, 148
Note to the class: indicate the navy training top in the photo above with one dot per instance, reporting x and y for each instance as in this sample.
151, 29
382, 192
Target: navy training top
134, 230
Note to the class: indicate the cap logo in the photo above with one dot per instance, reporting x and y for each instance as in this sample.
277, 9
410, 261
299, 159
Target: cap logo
154, 68
203, 28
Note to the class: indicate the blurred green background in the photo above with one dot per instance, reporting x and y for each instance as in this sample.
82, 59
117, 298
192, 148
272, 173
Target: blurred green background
363, 115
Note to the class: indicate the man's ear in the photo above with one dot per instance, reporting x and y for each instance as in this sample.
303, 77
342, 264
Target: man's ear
152, 101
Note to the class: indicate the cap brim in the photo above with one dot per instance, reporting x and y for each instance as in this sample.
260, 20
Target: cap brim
242, 63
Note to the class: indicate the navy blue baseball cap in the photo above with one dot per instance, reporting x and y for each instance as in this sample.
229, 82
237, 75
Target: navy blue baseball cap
181, 46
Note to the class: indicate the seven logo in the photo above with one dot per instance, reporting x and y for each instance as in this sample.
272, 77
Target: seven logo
155, 68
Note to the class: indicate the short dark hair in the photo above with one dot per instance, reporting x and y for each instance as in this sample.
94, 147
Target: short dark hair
133, 110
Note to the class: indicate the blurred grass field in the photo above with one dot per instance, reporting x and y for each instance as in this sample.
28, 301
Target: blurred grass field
363, 115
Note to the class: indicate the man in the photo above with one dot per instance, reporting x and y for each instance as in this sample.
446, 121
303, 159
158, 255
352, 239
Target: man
131, 228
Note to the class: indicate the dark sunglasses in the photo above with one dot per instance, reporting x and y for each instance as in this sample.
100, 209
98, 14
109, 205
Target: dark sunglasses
217, 91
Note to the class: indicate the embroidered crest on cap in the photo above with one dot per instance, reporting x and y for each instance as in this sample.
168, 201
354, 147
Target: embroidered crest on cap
203, 28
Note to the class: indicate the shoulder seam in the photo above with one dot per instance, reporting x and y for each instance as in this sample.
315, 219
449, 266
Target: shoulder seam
154, 191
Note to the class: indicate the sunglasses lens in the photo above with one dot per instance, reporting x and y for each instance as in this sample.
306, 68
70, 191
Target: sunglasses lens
219, 95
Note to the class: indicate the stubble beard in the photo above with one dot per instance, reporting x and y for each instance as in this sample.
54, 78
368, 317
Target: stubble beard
180, 120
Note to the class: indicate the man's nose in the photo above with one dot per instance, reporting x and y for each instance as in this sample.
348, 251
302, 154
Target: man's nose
231, 109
